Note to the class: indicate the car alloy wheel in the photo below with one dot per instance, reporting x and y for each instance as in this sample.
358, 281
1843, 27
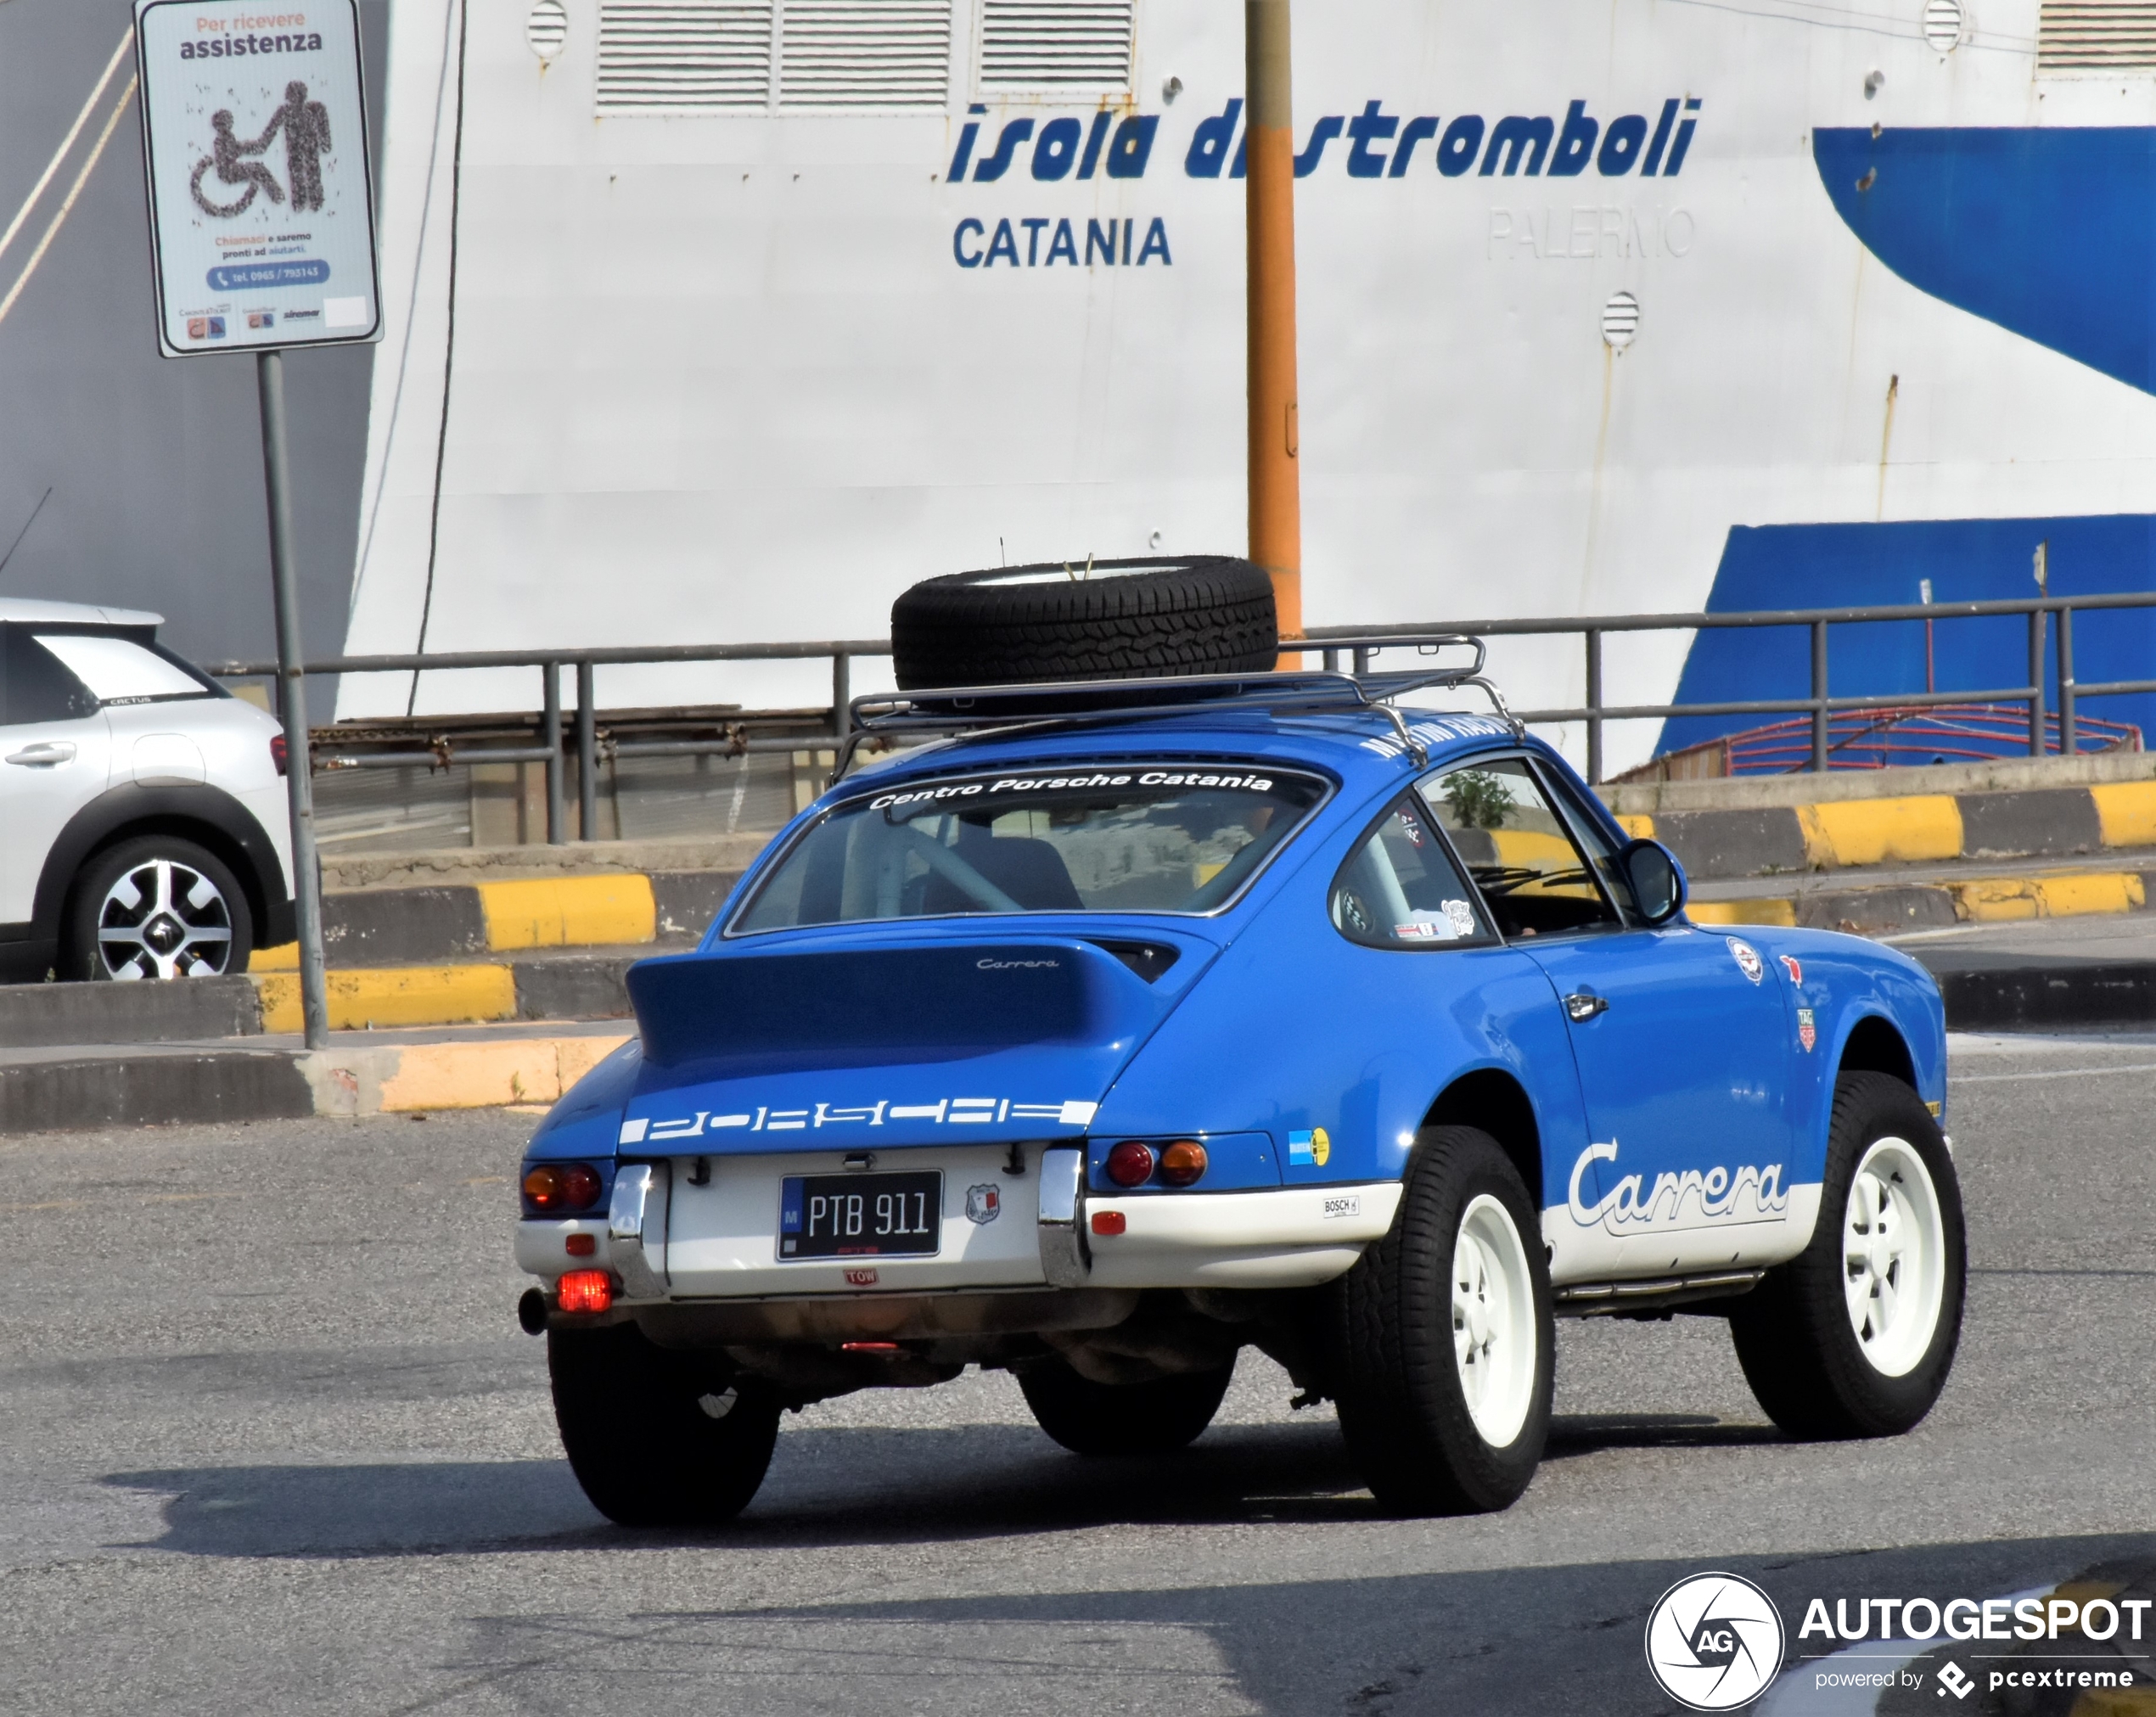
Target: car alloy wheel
1493, 1321
1893, 1254
1440, 1342
1855, 1336
164, 919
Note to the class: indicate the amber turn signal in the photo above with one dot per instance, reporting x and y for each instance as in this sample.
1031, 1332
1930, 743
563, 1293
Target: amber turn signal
584, 1291
1183, 1162
1131, 1164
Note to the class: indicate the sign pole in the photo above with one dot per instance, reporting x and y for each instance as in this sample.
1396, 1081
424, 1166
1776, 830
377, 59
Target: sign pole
1275, 480
262, 236
292, 700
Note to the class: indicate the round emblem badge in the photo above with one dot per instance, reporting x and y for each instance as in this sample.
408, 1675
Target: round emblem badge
1746, 958
1714, 1642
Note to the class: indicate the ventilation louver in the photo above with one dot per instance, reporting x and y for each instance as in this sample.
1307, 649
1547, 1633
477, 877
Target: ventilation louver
546, 30
2096, 35
1079, 46
684, 56
757, 56
864, 53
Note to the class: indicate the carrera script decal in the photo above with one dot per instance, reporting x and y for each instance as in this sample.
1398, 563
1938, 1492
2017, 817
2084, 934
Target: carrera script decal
1677, 1201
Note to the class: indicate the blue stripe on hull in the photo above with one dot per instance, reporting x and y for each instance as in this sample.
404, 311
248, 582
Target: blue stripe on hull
2046, 233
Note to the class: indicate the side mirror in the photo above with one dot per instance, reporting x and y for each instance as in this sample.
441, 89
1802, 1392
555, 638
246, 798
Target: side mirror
1657, 879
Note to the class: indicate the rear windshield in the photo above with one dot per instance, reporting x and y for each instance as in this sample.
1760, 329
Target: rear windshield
1115, 838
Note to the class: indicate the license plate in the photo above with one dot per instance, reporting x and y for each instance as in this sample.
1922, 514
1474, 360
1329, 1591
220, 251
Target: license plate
861, 1215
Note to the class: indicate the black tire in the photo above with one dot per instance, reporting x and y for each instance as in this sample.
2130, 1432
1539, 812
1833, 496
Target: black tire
637, 1423
1122, 619
1795, 1335
1122, 1419
1403, 1407
186, 870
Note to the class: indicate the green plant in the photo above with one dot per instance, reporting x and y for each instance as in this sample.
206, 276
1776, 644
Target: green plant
1477, 799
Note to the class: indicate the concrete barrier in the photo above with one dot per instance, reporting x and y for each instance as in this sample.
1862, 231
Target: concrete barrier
2059, 807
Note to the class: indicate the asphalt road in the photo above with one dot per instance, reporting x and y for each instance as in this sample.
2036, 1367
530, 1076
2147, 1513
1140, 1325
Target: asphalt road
270, 1441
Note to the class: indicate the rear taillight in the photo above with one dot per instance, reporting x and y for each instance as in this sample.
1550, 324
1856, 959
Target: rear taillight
1131, 1164
552, 1188
278, 752
584, 1291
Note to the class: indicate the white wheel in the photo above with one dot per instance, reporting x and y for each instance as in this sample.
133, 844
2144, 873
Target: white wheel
1493, 1321
1893, 1254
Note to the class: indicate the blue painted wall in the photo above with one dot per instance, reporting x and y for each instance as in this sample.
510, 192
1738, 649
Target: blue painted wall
1788, 566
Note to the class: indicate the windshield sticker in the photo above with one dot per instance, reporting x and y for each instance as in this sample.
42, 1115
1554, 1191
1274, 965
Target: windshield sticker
951, 1111
1164, 775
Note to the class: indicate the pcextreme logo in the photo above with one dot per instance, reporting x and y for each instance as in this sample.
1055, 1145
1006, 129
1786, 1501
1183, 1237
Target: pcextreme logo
1714, 1642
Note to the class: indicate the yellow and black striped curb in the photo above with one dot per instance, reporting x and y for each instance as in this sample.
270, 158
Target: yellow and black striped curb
469, 993
420, 926
2040, 822
1885, 908
158, 1086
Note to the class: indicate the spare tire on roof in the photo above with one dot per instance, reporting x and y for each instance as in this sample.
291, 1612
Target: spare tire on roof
1202, 614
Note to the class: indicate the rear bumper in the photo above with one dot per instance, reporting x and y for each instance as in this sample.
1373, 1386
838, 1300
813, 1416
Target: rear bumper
675, 1242
1291, 1236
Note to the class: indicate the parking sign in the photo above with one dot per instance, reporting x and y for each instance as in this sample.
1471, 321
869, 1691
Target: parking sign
261, 208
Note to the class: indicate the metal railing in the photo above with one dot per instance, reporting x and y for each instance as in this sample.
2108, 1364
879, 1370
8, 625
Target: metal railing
1365, 642
1361, 643
551, 751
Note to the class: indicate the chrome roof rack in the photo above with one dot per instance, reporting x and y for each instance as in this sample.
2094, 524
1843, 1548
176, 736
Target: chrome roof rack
1049, 706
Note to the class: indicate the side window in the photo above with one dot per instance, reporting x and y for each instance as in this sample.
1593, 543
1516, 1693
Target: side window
1401, 889
35, 686
1520, 850
1587, 831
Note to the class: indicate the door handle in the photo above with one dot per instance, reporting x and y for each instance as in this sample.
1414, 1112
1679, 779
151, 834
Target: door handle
1583, 1005
46, 753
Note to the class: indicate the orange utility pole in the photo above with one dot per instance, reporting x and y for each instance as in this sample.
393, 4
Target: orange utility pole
1269, 150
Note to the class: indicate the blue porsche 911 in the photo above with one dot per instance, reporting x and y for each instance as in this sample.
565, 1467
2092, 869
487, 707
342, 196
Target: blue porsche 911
1125, 1025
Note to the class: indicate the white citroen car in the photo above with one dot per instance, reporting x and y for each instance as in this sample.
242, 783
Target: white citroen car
142, 825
